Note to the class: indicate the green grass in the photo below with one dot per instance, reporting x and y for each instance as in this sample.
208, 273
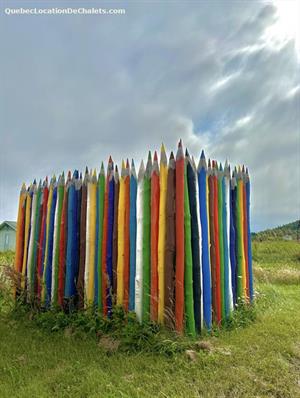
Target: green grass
7, 258
277, 262
259, 357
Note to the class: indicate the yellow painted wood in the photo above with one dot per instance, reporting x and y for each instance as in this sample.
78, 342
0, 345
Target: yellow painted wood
163, 175
92, 235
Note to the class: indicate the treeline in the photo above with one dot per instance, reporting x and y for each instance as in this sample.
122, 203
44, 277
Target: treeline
289, 231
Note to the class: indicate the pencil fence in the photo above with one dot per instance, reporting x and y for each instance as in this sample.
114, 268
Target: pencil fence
171, 243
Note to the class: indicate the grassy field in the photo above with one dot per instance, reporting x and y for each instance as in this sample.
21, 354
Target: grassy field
258, 359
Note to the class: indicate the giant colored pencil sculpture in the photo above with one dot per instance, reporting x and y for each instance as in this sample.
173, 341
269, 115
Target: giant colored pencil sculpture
173, 244
233, 237
211, 191
57, 231
179, 217
100, 216
126, 235
250, 272
240, 241
104, 241
115, 232
109, 243
226, 232
206, 271
139, 244
162, 233
220, 177
170, 252
188, 260
30, 263
121, 240
195, 240
217, 244
154, 238
147, 240
82, 244
20, 238
132, 260
63, 245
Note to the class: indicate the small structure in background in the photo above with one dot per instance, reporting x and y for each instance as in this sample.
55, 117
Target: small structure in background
287, 237
8, 236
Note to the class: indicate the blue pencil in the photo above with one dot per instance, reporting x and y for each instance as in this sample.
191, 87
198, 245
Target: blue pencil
97, 269
225, 244
78, 194
133, 193
71, 258
206, 274
233, 237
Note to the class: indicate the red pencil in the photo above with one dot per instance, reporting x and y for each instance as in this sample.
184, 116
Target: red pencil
245, 228
216, 221
20, 231
154, 238
179, 222
63, 245
126, 236
211, 186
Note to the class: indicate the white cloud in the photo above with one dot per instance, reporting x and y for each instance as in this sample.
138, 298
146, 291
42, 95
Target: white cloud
77, 89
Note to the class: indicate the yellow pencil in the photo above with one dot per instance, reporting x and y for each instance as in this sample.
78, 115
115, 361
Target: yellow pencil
163, 175
121, 216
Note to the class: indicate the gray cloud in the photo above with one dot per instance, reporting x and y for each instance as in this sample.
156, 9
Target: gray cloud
76, 89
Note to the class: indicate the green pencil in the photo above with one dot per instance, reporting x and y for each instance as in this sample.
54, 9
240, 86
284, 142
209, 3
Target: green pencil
55, 269
188, 259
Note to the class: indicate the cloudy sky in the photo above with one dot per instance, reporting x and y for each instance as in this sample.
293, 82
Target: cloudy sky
222, 75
